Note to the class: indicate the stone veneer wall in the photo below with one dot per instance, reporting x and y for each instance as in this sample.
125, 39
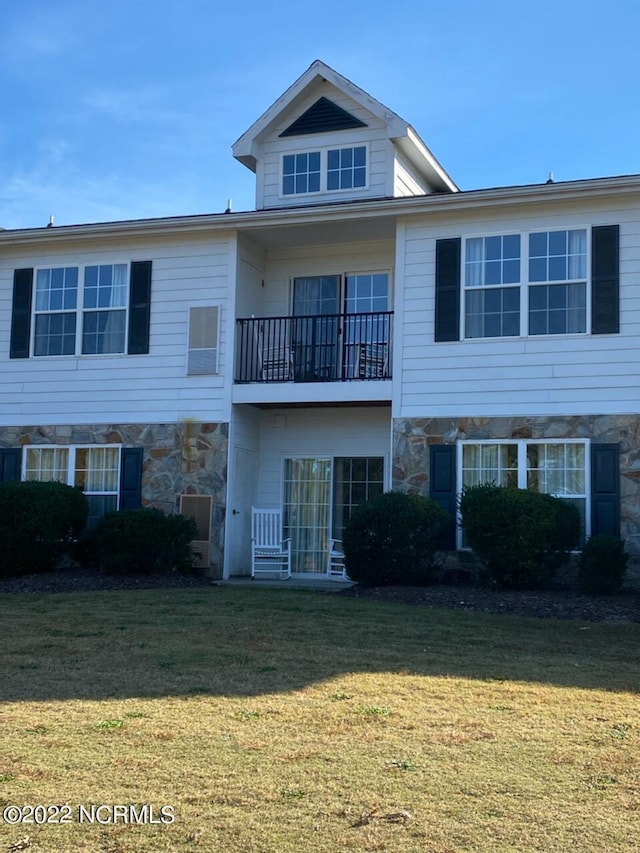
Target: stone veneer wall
183, 458
412, 437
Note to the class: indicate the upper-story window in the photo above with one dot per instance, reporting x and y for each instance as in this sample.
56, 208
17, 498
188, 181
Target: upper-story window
546, 296
301, 173
326, 170
96, 303
557, 282
70, 310
55, 311
492, 309
346, 168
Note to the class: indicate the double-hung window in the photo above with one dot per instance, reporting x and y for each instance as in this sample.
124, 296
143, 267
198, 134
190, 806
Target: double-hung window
56, 302
327, 170
72, 310
492, 286
105, 309
544, 293
90, 304
558, 282
557, 468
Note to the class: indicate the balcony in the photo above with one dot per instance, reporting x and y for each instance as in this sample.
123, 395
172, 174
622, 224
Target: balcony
318, 348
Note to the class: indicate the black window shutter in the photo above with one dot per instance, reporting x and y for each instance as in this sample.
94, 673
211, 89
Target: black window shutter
605, 279
139, 307
21, 313
605, 489
10, 459
131, 477
442, 488
447, 319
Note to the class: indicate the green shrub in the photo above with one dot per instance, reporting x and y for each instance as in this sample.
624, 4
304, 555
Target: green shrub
139, 541
522, 537
38, 522
391, 539
602, 565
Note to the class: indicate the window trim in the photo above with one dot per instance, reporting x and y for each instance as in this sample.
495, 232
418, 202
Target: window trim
521, 444
525, 284
323, 150
71, 463
80, 310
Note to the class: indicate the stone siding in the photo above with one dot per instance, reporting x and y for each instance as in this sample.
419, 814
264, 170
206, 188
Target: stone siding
412, 437
184, 458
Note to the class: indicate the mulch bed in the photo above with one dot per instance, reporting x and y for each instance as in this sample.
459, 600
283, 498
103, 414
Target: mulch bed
557, 604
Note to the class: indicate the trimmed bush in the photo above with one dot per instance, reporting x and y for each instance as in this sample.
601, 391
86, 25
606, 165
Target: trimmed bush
140, 541
521, 537
38, 522
602, 565
392, 540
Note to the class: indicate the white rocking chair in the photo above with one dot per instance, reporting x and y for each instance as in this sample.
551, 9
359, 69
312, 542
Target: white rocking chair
336, 567
270, 553
275, 355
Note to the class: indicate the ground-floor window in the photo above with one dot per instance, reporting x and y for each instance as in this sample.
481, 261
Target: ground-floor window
556, 467
95, 470
319, 497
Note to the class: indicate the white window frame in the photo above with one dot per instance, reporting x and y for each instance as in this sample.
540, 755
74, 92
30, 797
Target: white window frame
80, 310
331, 458
483, 288
525, 284
71, 464
324, 158
522, 444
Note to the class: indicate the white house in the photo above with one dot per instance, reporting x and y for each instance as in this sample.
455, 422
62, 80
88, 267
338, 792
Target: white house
368, 326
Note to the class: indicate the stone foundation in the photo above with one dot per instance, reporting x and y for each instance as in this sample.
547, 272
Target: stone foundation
187, 457
412, 437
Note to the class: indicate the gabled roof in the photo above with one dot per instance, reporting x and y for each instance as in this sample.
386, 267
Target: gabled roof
245, 149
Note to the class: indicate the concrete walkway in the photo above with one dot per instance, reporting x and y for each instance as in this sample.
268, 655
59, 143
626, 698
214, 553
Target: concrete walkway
320, 584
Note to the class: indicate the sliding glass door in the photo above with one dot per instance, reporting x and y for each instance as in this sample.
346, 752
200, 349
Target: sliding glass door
307, 511
319, 496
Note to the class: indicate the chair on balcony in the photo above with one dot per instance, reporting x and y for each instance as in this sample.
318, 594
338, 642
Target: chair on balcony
336, 567
270, 553
372, 361
275, 356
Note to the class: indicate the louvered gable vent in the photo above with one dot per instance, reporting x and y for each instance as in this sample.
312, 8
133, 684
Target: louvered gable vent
203, 340
321, 117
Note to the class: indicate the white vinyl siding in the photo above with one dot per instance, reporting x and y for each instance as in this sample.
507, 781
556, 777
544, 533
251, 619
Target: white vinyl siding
530, 375
317, 433
119, 388
380, 153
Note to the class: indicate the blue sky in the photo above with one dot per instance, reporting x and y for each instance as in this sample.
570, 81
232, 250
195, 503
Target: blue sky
127, 108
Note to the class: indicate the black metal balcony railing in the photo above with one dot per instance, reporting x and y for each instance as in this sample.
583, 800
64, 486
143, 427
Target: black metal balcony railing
318, 348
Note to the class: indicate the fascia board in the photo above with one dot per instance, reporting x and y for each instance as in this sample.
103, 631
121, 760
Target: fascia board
622, 186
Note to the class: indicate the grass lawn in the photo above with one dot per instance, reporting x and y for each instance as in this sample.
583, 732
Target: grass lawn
288, 722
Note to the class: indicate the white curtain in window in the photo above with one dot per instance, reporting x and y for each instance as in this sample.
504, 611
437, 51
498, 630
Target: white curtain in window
577, 249
307, 495
474, 261
119, 286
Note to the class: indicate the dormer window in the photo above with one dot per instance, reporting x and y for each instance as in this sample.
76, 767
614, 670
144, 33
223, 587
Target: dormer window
301, 173
327, 170
346, 168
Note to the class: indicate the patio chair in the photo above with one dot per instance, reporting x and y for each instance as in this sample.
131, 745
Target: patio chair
270, 553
